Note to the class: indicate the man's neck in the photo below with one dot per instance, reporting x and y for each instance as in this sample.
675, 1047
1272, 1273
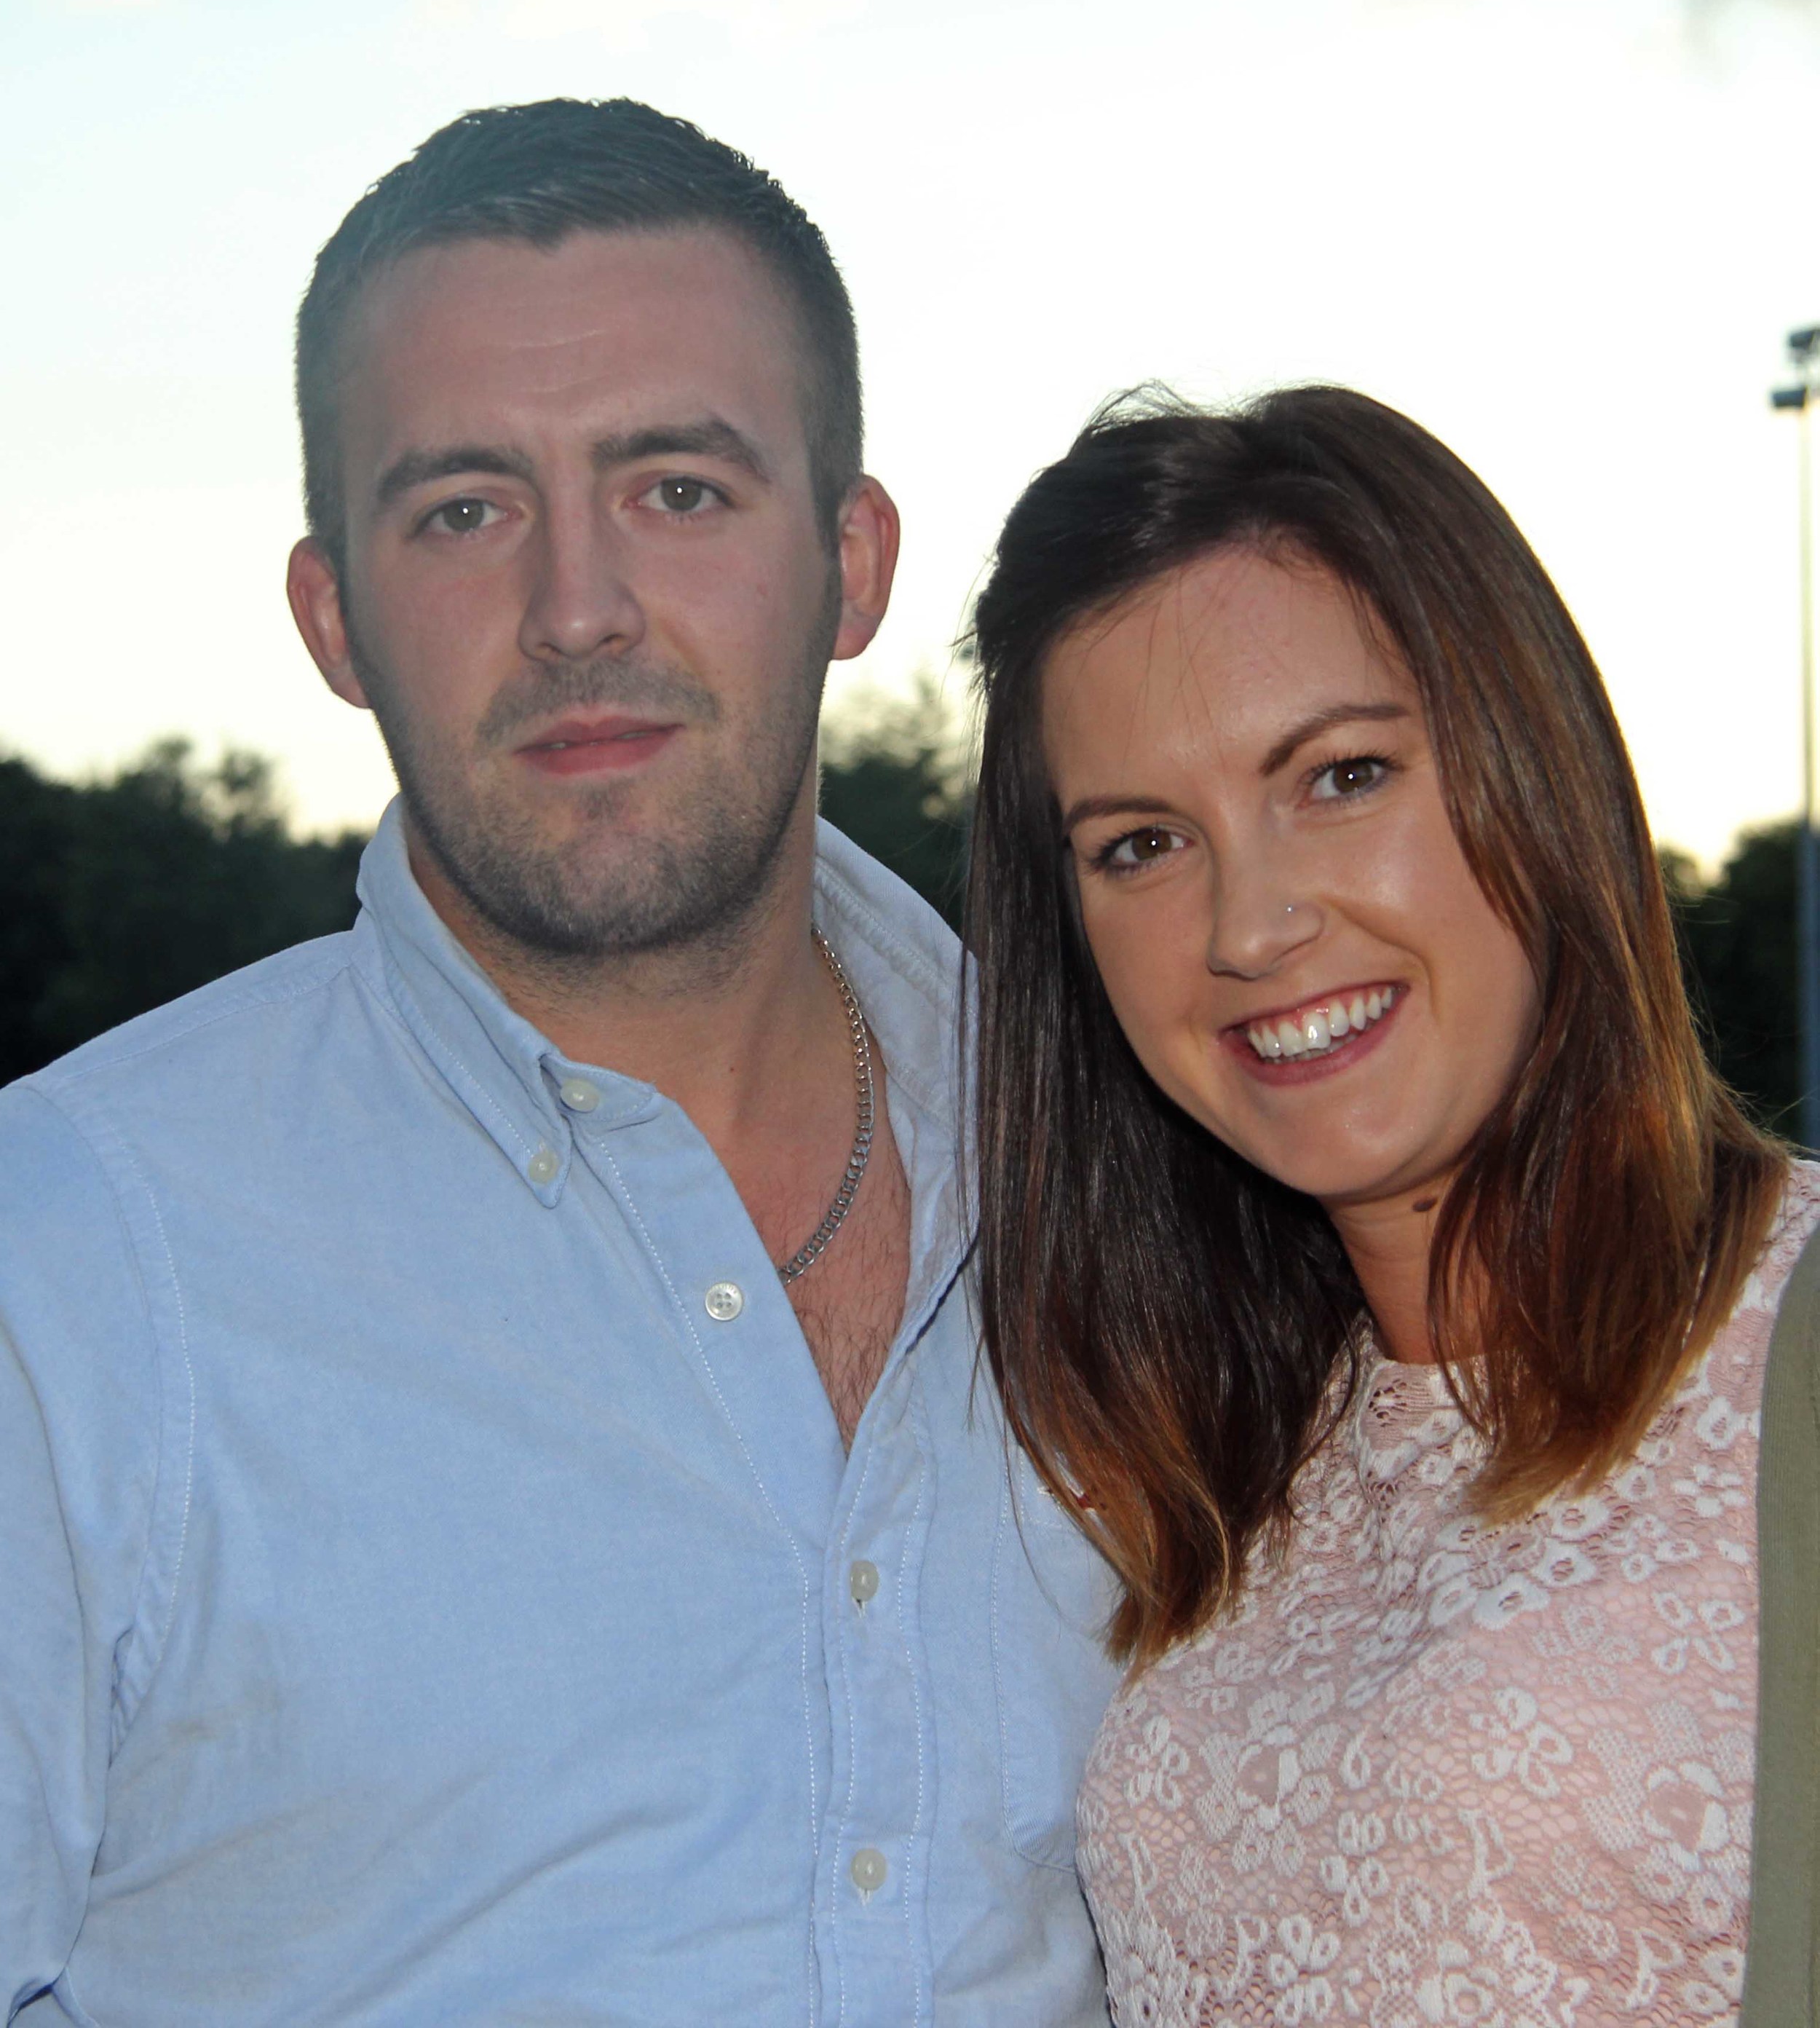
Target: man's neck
717, 1025
751, 1039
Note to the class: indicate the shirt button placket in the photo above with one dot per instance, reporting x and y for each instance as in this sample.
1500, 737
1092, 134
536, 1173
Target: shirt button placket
878, 1857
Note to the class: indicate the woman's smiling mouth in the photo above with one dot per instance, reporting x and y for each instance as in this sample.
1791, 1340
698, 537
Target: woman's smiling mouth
1316, 1031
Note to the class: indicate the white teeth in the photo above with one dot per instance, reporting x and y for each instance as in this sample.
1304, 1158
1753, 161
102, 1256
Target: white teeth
1320, 1028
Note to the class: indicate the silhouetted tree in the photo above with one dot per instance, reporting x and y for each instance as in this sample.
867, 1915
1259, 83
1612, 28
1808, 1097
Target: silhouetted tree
1738, 950
895, 779
38, 820
117, 896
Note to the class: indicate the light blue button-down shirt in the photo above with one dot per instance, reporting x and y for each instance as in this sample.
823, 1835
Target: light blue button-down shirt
418, 1606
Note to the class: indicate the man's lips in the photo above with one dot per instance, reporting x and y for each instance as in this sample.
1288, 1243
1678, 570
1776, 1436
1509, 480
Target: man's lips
597, 745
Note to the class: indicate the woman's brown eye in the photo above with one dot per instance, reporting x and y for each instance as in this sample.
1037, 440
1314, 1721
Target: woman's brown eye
1137, 848
1341, 779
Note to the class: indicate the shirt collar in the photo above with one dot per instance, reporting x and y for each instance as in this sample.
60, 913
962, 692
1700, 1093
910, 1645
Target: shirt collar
903, 960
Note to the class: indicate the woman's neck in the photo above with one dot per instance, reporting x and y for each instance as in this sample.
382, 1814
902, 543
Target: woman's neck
1389, 1245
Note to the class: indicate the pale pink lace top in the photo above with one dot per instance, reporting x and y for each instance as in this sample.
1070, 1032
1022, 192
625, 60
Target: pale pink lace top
1431, 1771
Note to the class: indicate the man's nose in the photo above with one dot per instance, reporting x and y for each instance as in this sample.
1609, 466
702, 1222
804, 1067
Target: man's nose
583, 601
1262, 915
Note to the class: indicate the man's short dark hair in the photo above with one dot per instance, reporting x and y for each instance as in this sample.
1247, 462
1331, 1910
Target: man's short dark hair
537, 173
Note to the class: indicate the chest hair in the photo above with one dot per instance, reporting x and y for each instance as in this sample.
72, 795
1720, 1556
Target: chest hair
851, 1302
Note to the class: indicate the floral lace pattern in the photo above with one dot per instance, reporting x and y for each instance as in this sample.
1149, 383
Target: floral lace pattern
1433, 1771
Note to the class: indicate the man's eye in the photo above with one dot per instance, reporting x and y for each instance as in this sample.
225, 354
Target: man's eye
682, 496
1353, 776
462, 517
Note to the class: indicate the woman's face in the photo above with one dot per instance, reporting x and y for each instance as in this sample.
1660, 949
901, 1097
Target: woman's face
1284, 920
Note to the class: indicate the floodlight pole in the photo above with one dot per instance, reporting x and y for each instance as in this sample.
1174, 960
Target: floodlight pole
1804, 350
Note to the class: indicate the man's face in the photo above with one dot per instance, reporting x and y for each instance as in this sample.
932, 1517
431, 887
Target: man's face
585, 592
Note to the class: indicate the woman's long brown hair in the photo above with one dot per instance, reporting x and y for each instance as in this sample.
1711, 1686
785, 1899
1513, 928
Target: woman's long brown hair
1170, 1329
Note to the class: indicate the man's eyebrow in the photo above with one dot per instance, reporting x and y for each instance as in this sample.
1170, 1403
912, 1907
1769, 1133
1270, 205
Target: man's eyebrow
711, 437
1323, 721
419, 468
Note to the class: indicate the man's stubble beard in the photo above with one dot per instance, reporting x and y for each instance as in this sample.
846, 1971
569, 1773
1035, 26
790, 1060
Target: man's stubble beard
696, 884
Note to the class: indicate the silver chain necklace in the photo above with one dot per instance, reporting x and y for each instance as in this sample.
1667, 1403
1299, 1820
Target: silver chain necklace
811, 1249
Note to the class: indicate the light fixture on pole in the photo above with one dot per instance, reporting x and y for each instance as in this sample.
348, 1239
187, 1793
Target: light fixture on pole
1801, 397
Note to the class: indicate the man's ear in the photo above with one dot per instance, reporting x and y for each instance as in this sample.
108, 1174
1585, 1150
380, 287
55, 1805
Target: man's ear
314, 591
869, 533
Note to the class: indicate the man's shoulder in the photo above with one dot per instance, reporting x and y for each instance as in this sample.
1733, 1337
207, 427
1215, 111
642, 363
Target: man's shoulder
903, 925
237, 1020
209, 1088
905, 963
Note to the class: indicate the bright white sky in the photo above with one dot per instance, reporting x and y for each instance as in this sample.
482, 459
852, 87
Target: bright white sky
1568, 236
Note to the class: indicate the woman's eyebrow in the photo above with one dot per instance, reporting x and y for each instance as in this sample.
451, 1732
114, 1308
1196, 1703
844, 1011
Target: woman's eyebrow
1323, 721
1110, 806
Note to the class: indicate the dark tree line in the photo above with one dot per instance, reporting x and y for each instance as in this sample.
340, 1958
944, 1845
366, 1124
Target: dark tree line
1737, 938
895, 779
117, 896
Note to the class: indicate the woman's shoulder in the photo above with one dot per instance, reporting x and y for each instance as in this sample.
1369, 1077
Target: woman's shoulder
1730, 1369
1793, 1225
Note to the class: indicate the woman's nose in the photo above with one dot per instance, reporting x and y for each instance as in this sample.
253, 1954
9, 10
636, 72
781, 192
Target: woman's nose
583, 602
1259, 919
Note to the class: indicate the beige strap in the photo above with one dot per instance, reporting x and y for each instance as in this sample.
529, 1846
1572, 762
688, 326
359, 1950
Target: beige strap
1782, 1967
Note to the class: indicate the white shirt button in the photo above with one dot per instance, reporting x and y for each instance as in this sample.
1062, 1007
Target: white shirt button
542, 1166
724, 1301
862, 1582
578, 1095
868, 1870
